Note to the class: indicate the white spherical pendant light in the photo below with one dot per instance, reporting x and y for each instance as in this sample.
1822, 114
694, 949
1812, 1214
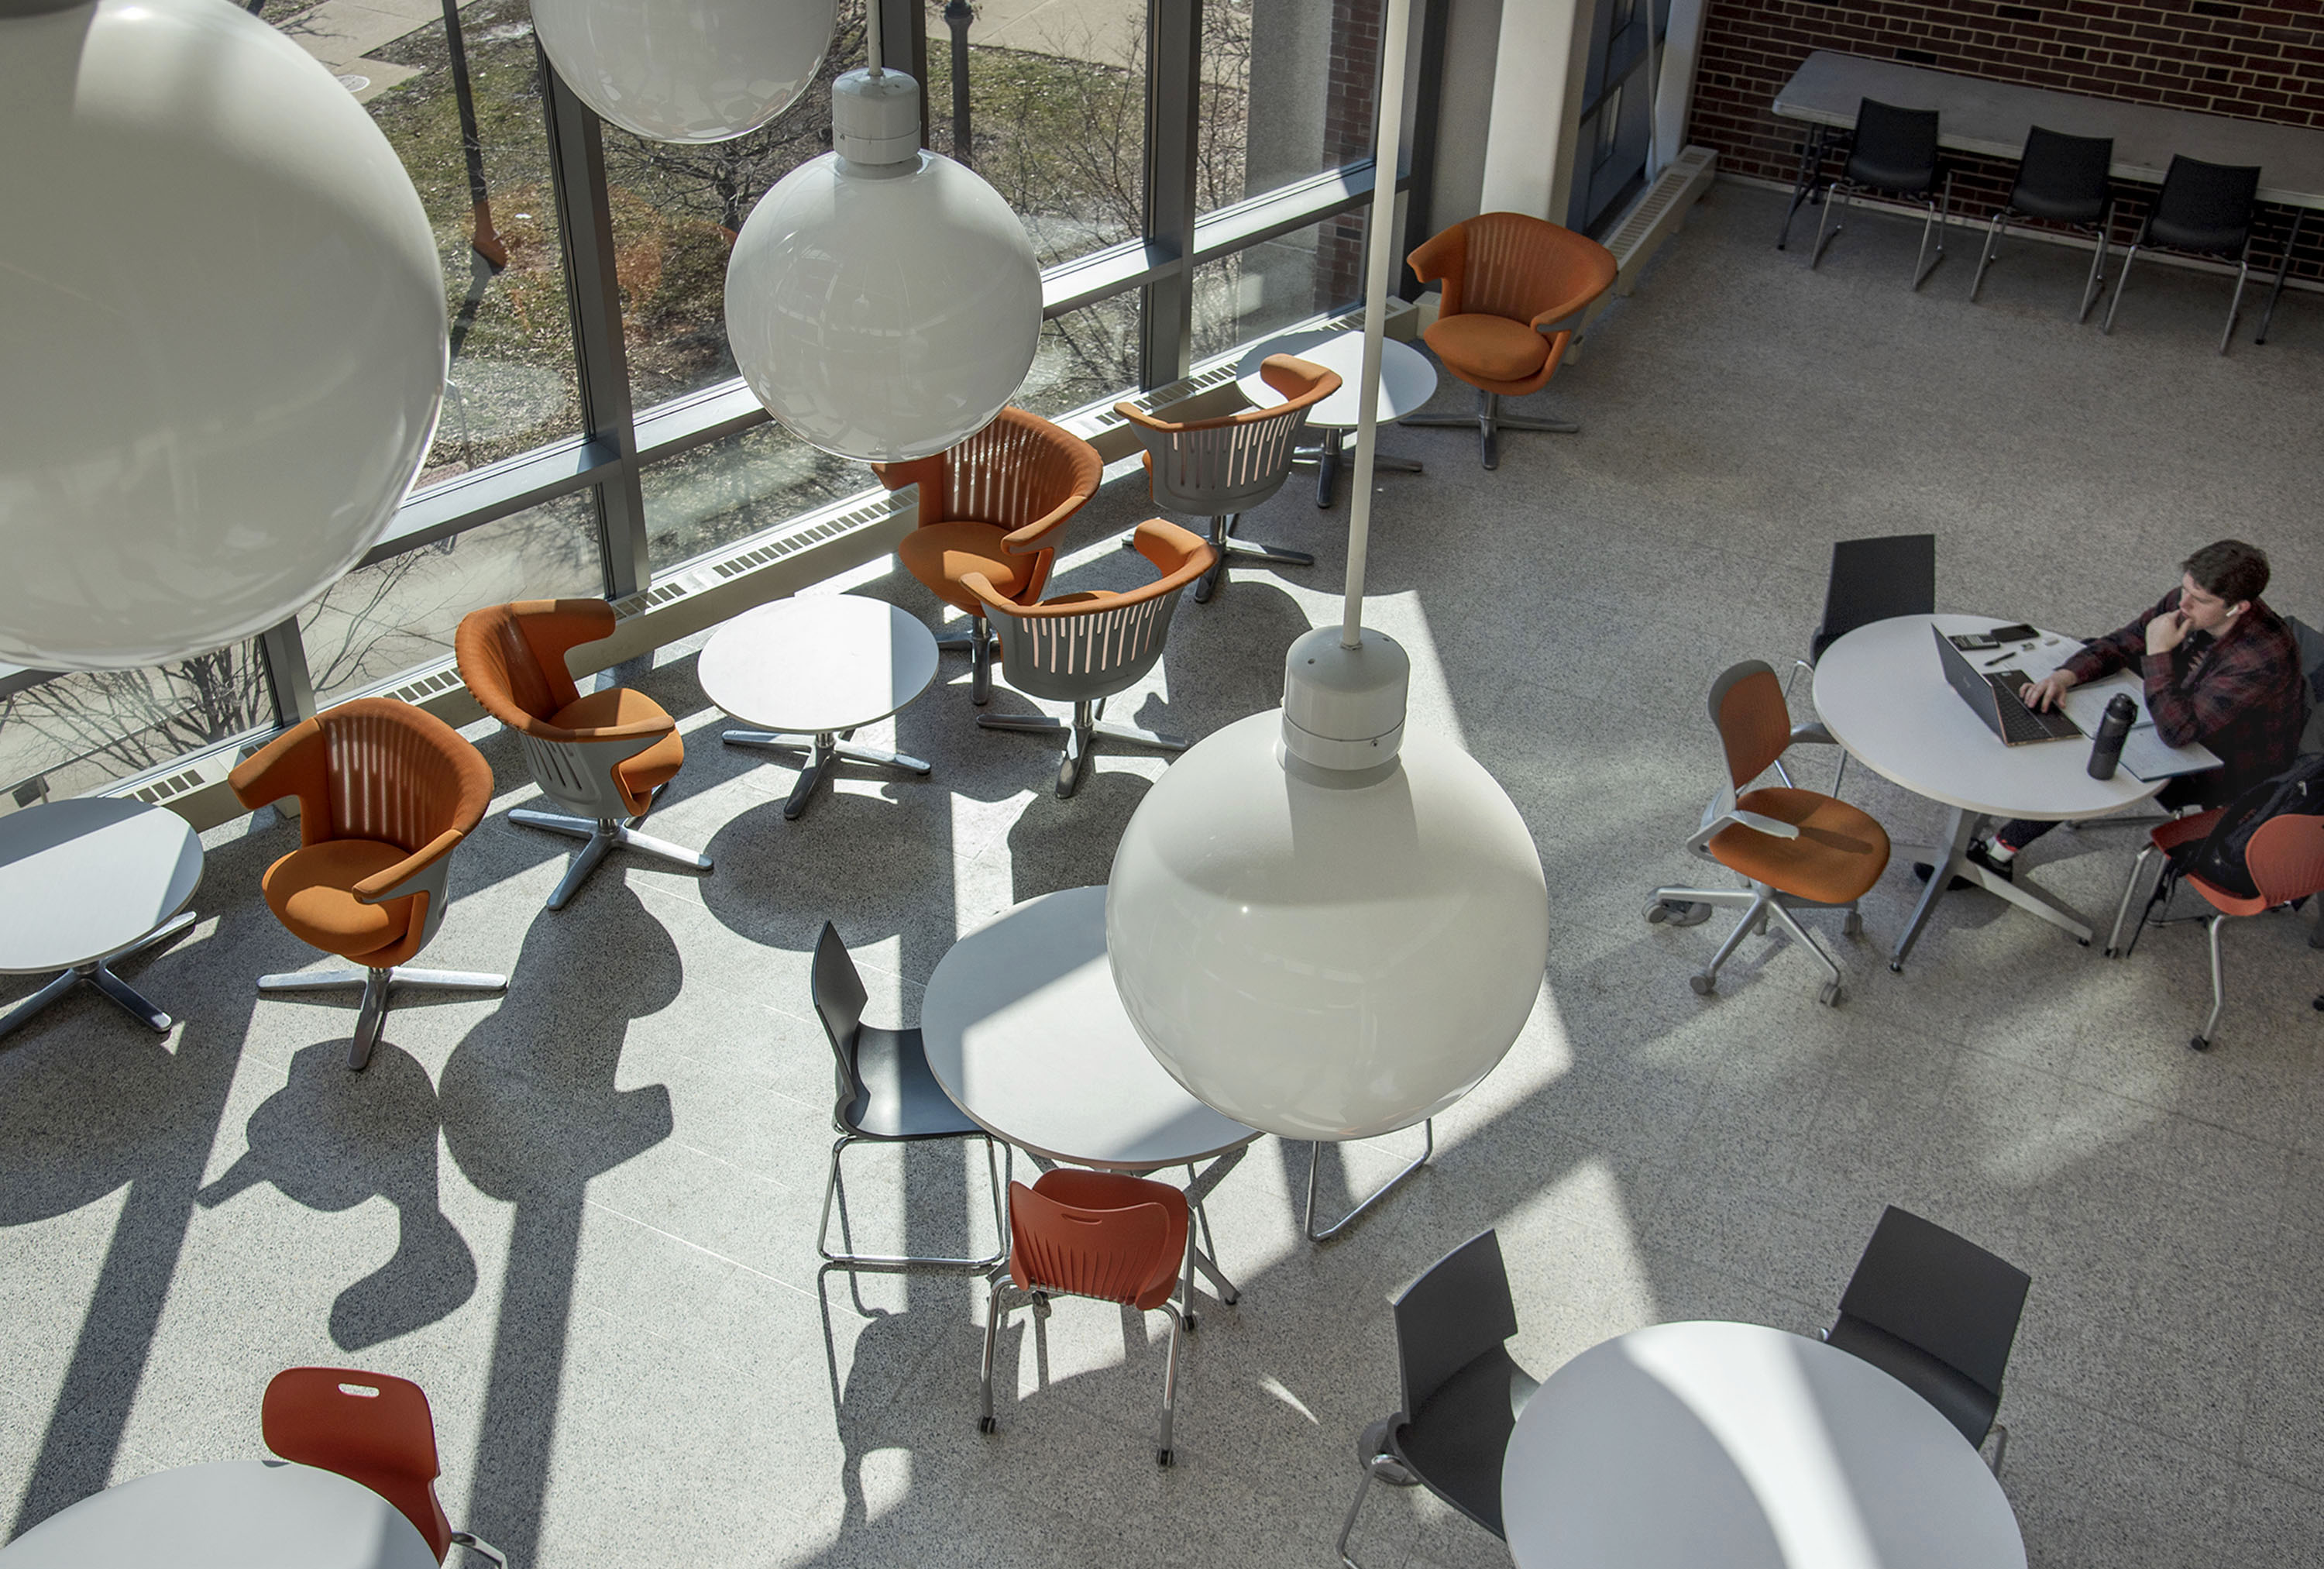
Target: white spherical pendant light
1323, 927
883, 302
222, 330
685, 70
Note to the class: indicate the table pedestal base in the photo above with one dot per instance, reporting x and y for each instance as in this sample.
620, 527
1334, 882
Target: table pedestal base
1955, 863
826, 747
1315, 1165
99, 973
1326, 456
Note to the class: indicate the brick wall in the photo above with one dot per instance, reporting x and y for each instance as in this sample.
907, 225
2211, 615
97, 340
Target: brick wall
2259, 62
1351, 123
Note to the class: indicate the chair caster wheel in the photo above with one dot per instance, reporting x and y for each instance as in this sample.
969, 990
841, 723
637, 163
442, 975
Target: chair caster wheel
2084, 941
986, 1424
1896, 966
2319, 1003
1702, 984
1853, 927
1166, 1457
1658, 913
1831, 994
1190, 1323
2200, 1043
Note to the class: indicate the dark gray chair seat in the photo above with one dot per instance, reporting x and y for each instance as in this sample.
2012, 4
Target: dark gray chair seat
2061, 180
1893, 153
896, 1094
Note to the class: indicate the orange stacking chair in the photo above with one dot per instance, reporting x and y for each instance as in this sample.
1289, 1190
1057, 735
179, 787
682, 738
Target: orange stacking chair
995, 505
1099, 1234
1508, 280
369, 1428
1796, 849
1084, 648
1222, 468
2285, 858
604, 757
385, 795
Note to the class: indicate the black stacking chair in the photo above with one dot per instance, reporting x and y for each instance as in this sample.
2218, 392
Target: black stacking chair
1938, 1314
886, 1095
2061, 180
1462, 1391
2205, 209
1871, 580
1894, 153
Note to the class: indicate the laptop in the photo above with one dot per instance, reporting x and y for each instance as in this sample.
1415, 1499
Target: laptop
1992, 696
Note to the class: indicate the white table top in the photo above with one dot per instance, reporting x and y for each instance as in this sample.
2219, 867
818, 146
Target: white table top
1883, 695
233, 1514
1690, 1445
1407, 380
80, 879
817, 664
1992, 118
1025, 1032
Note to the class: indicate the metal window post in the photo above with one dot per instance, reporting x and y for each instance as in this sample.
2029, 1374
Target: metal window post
1420, 189
1174, 44
957, 16
289, 684
585, 225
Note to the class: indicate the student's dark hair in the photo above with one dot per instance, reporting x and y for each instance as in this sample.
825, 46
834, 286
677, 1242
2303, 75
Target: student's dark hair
2229, 568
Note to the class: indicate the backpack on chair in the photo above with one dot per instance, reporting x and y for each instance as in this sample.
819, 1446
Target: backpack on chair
2218, 857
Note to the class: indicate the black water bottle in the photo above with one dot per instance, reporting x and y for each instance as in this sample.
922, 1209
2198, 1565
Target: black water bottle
2105, 751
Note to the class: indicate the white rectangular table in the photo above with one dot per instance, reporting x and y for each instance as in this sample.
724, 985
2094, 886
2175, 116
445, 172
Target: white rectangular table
1992, 119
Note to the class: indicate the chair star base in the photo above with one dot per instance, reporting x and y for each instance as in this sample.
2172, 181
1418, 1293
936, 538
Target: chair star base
1081, 735
98, 974
1759, 904
824, 749
1491, 423
605, 835
371, 1017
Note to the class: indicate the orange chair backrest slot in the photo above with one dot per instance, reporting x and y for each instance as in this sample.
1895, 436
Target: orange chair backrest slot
512, 656
1016, 471
397, 775
369, 1427
1109, 1254
1747, 705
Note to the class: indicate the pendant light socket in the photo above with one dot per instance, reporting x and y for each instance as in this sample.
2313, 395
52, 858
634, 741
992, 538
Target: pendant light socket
1344, 708
875, 118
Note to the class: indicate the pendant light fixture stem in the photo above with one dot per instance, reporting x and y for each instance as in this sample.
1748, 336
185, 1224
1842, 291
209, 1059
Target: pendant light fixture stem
1379, 239
871, 51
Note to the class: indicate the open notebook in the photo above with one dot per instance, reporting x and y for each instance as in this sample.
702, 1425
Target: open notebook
2143, 751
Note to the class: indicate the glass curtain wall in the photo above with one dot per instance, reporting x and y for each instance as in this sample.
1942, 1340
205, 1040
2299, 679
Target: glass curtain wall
1191, 173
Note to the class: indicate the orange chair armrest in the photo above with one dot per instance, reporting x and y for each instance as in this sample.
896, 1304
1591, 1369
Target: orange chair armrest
381, 885
1180, 554
1037, 533
1440, 256
262, 777
978, 584
635, 730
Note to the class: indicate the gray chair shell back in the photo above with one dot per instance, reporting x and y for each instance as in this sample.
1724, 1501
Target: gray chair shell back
1221, 467
2206, 208
578, 775
1895, 150
1081, 659
2062, 177
1873, 580
1457, 1312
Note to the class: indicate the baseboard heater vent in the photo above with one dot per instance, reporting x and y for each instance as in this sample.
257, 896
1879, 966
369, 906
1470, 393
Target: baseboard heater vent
1657, 214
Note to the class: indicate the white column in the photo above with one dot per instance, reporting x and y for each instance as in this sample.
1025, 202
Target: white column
1538, 81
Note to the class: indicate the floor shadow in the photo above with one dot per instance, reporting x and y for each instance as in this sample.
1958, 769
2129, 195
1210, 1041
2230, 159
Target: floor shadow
531, 1115
329, 1140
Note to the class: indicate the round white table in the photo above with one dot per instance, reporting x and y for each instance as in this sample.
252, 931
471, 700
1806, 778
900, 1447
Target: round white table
83, 882
1407, 380
1687, 1444
1882, 692
233, 1514
1024, 1029
809, 671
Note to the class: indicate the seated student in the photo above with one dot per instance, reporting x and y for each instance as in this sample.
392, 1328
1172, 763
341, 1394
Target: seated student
2219, 667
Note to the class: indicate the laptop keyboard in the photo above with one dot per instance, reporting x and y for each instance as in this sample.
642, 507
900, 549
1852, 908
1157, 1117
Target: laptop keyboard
2020, 724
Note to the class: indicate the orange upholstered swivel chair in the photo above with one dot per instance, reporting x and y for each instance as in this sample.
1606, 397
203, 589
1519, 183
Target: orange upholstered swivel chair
993, 504
1099, 1234
369, 1428
1796, 849
603, 757
1222, 468
385, 795
1084, 648
1508, 280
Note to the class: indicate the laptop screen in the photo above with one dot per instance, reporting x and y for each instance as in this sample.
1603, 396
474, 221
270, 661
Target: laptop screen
1975, 690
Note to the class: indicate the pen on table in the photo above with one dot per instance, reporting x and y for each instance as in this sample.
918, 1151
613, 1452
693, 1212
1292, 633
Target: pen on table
2005, 656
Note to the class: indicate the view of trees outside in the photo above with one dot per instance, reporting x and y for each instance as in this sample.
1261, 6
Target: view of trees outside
1057, 122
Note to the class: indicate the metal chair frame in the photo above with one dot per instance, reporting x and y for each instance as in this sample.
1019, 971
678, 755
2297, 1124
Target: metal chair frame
2242, 254
2092, 286
1315, 1166
1940, 208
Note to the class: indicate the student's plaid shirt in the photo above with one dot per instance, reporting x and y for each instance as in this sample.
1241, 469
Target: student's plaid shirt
2239, 695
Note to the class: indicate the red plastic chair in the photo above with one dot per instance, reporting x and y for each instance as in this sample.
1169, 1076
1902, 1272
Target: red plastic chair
369, 1428
2285, 859
1100, 1234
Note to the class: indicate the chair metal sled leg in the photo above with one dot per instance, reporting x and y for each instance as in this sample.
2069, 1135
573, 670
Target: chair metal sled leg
2121, 281
370, 1017
1993, 233
2202, 1041
1940, 216
2122, 912
2095, 285
998, 1176
98, 974
1837, 192
1081, 733
605, 835
1378, 1466
1315, 1165
2236, 301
